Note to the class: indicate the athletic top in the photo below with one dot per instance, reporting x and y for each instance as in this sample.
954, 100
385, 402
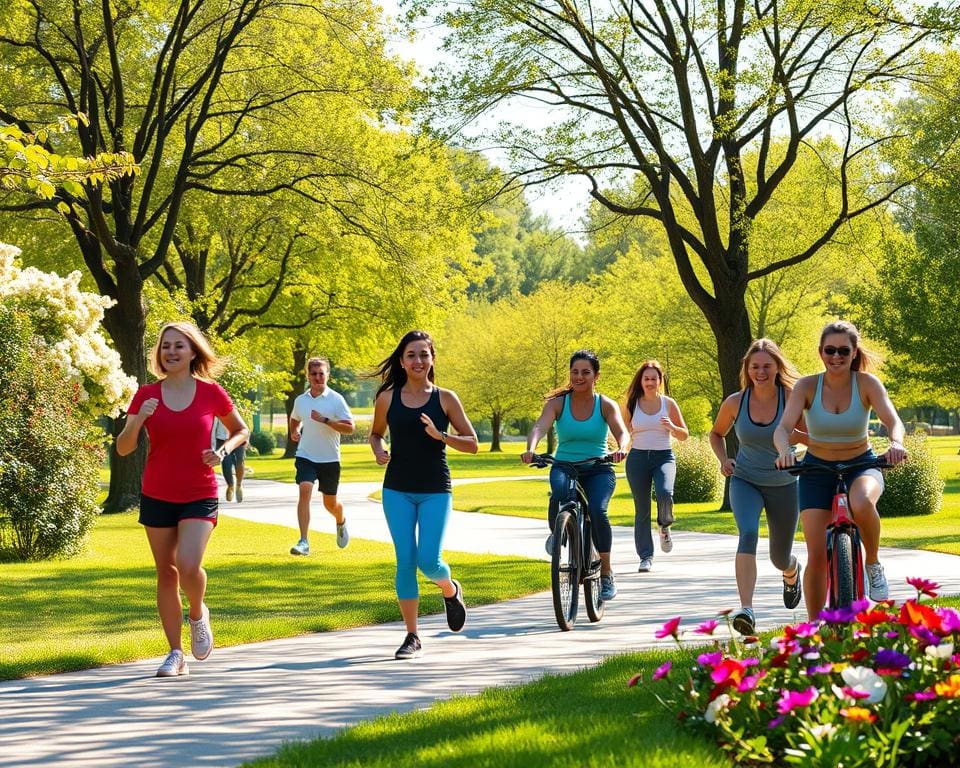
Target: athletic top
318, 441
756, 455
847, 427
175, 470
578, 440
418, 463
646, 431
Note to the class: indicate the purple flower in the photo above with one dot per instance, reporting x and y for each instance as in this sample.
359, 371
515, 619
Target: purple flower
776, 721
662, 670
950, 620
820, 669
924, 636
838, 615
710, 659
887, 658
791, 700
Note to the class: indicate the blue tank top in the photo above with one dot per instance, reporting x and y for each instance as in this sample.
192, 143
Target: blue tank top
578, 440
418, 463
756, 454
847, 427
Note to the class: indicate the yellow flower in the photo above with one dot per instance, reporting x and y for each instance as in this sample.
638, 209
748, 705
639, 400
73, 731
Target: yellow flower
949, 688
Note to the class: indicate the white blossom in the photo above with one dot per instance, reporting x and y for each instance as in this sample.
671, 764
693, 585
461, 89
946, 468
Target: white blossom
865, 680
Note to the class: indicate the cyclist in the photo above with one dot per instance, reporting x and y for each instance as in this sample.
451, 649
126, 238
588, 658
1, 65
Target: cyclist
417, 498
583, 418
766, 379
654, 418
837, 406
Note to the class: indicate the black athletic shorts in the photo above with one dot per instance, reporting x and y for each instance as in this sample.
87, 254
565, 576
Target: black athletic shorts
155, 513
326, 474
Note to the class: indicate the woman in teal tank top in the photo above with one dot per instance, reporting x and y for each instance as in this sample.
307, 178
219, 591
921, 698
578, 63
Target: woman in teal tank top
837, 404
583, 417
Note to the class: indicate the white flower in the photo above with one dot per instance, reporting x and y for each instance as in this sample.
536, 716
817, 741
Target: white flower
865, 680
714, 707
942, 651
823, 731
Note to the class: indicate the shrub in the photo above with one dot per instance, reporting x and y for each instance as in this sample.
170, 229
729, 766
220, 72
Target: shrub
698, 477
50, 448
264, 442
361, 433
915, 487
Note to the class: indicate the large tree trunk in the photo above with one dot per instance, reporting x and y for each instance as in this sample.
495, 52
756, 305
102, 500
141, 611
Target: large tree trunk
295, 390
126, 324
496, 420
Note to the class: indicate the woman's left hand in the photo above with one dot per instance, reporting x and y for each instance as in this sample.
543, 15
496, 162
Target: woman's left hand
430, 428
617, 456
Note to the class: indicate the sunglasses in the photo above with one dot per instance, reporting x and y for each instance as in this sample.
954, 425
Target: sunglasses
842, 351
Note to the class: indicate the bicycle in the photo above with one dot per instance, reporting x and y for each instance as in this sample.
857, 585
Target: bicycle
845, 561
574, 559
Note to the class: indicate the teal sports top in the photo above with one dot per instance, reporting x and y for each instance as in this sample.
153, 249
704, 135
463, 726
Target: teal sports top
847, 427
578, 440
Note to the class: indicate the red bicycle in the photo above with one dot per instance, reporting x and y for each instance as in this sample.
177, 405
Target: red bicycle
845, 561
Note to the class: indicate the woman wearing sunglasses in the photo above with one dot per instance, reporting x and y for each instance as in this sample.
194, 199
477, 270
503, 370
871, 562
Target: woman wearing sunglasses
836, 405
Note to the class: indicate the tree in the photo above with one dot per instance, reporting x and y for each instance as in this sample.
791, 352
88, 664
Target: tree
222, 97
672, 97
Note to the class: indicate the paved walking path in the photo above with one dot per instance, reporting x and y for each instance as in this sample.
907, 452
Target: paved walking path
245, 701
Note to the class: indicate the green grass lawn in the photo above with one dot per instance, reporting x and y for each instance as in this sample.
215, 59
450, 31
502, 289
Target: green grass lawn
527, 498
357, 464
98, 608
589, 718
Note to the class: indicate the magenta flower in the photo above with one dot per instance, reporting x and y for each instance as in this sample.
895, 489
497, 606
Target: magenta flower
750, 682
924, 636
662, 670
807, 629
921, 696
669, 629
707, 627
950, 620
710, 659
791, 700
853, 693
923, 586
820, 669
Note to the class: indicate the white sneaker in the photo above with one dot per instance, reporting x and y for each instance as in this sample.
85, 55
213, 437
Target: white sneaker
666, 540
229, 493
302, 547
201, 635
646, 563
239, 493
174, 665
343, 535
879, 590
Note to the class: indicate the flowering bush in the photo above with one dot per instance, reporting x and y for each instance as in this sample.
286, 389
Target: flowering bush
68, 321
864, 687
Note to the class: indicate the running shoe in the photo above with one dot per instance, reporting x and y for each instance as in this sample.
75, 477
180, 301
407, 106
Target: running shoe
201, 634
646, 564
608, 587
744, 621
343, 535
792, 592
174, 665
666, 540
456, 609
302, 547
239, 493
229, 493
879, 590
411, 648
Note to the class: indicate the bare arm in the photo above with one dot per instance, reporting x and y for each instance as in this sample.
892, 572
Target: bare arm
674, 422
238, 436
724, 421
129, 437
465, 439
879, 400
540, 428
792, 414
611, 414
378, 429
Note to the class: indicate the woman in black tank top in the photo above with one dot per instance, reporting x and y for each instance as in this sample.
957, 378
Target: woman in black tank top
416, 486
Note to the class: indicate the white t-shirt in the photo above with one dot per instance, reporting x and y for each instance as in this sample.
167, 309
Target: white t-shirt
318, 442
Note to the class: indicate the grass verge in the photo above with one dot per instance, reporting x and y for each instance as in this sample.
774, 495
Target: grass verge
98, 608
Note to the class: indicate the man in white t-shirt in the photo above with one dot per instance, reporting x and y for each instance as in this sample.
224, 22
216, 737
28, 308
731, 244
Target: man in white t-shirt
318, 418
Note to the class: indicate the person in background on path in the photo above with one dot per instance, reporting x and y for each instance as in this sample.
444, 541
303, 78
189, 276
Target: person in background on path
178, 503
233, 463
583, 418
766, 380
836, 404
417, 494
653, 419
318, 418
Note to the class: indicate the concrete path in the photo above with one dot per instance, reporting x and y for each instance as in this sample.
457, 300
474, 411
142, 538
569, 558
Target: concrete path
245, 701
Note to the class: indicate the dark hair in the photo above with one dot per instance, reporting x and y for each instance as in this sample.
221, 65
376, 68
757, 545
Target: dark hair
390, 370
581, 354
863, 358
635, 390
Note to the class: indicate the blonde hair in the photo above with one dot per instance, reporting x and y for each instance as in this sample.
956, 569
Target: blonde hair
205, 364
635, 390
863, 359
787, 374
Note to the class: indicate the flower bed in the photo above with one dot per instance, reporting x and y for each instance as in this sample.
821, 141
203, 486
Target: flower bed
867, 686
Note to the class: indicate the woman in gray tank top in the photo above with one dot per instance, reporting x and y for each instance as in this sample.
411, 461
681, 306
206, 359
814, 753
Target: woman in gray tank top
766, 378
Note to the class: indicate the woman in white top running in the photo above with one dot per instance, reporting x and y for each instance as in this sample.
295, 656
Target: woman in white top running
653, 418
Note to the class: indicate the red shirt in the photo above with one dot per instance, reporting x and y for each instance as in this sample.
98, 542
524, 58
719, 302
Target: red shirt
175, 470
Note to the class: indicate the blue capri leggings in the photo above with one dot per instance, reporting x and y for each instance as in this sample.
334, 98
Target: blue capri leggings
780, 501
406, 513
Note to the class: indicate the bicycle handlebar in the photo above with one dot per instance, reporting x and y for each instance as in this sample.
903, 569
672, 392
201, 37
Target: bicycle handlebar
545, 459
878, 462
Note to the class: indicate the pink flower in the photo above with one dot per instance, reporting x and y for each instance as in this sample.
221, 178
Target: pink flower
662, 670
669, 629
949, 620
923, 586
710, 659
750, 682
707, 627
637, 678
791, 700
921, 696
820, 669
728, 671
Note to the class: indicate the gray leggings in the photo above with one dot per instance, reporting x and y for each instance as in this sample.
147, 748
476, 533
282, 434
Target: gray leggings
783, 512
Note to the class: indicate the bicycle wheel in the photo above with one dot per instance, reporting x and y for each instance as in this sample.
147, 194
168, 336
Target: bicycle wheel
843, 551
565, 567
591, 579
